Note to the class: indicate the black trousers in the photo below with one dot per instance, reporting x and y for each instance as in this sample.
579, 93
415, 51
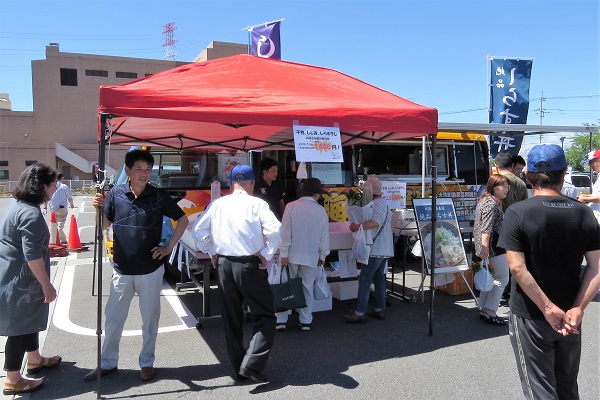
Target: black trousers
15, 349
239, 283
548, 362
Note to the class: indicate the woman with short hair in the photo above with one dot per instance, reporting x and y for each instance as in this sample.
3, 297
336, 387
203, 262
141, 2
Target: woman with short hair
25, 287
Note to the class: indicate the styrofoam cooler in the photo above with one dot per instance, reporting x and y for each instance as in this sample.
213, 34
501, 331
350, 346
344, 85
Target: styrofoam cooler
344, 290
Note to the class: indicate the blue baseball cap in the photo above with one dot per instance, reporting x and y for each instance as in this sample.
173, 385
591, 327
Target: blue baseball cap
242, 172
551, 154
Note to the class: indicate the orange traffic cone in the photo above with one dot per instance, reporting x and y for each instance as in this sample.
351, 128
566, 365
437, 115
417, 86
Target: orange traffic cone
53, 228
74, 241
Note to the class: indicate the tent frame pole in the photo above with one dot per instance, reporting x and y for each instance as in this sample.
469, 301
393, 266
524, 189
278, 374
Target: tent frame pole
433, 228
102, 178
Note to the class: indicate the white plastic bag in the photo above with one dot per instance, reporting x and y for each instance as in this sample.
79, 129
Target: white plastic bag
483, 280
274, 271
360, 248
321, 290
358, 215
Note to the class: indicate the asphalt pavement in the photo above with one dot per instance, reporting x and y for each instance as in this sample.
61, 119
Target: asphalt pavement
464, 358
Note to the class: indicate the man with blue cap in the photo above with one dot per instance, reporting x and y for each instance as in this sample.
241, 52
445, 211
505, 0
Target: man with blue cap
545, 238
241, 234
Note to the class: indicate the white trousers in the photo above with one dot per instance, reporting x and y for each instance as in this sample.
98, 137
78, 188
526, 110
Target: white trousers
308, 275
491, 299
122, 290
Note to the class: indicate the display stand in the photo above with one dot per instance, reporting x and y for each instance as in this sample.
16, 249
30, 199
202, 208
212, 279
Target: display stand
180, 250
441, 240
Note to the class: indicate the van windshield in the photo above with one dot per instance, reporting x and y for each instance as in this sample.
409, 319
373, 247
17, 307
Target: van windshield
194, 168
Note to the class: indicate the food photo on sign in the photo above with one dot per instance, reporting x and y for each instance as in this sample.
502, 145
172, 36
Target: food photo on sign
449, 252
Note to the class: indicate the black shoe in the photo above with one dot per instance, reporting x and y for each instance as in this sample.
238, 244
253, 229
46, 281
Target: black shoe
304, 327
254, 375
93, 375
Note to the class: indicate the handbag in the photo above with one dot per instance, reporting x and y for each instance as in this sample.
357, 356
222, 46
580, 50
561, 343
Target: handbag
288, 295
321, 290
483, 280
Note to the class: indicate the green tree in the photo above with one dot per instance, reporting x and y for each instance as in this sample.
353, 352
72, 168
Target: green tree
580, 147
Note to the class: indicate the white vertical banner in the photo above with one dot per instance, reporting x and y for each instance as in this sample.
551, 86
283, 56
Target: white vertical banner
347, 264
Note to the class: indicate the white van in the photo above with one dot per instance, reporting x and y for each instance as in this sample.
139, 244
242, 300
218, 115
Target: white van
580, 180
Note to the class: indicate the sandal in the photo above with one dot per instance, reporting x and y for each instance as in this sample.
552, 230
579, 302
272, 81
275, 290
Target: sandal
494, 320
23, 385
44, 363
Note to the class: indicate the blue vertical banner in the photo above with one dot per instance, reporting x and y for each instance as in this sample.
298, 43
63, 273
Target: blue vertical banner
265, 40
509, 100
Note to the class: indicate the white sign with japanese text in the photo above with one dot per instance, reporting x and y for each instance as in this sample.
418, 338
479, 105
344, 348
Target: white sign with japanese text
395, 194
318, 143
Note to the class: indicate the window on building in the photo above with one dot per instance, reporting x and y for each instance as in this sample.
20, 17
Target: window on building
3, 163
68, 77
30, 162
96, 72
3, 174
147, 75
129, 75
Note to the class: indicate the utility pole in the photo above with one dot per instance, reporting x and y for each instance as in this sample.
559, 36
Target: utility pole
541, 111
562, 142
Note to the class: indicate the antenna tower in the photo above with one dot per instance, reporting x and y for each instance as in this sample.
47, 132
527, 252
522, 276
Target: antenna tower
169, 43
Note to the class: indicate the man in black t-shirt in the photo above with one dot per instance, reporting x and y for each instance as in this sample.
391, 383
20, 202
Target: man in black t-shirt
269, 189
546, 238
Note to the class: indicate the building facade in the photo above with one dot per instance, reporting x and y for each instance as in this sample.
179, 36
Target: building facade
62, 129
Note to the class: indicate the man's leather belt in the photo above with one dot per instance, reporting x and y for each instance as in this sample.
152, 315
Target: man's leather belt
241, 259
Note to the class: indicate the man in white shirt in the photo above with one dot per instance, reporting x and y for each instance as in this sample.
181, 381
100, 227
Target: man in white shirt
569, 190
304, 245
58, 204
241, 234
593, 199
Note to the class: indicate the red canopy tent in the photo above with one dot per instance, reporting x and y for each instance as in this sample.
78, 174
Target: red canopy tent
247, 102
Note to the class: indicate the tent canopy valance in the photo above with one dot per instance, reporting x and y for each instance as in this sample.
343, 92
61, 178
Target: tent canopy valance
246, 102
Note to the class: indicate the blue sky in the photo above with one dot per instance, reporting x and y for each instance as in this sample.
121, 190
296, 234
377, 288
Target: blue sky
432, 52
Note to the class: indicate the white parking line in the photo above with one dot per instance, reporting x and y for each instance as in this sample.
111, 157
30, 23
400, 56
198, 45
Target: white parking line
63, 303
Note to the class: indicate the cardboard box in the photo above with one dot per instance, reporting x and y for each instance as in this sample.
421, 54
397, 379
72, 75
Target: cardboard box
458, 286
322, 305
344, 290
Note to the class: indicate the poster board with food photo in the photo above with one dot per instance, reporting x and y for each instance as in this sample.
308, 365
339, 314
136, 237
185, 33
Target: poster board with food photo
450, 253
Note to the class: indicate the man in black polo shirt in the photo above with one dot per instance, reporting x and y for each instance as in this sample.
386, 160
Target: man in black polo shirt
269, 189
135, 210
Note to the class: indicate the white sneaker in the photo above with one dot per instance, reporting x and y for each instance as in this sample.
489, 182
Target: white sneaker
280, 327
